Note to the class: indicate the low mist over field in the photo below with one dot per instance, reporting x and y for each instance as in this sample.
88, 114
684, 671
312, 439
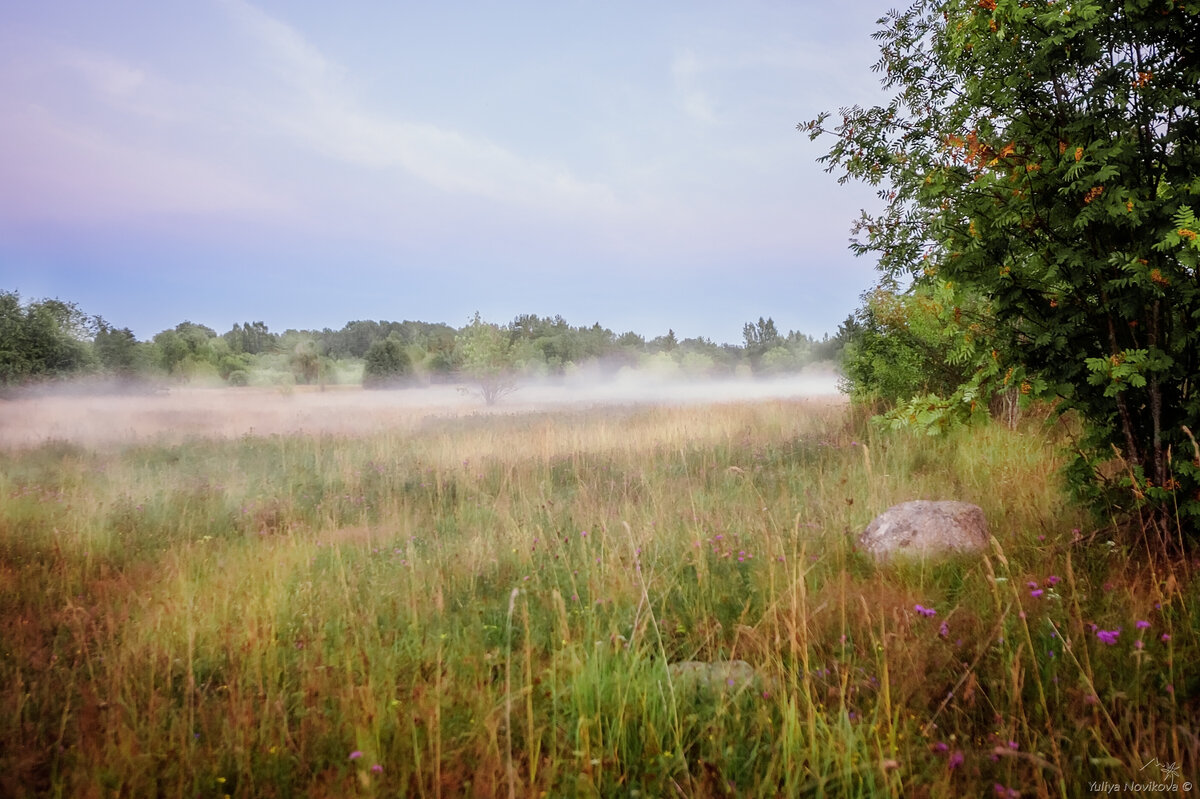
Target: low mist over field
69, 414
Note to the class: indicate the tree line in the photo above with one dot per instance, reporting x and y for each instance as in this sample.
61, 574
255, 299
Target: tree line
48, 340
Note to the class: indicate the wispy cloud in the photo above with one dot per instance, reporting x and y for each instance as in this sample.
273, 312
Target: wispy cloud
94, 138
105, 74
64, 170
325, 117
694, 101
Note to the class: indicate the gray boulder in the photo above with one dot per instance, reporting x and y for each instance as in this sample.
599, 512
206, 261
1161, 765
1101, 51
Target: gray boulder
924, 529
718, 677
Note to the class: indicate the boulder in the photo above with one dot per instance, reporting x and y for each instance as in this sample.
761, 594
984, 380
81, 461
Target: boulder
719, 676
924, 529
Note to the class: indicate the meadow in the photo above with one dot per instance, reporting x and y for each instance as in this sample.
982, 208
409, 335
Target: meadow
396, 602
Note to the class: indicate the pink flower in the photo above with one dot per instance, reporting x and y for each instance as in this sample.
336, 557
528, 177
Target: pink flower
377, 769
956, 759
924, 611
1142, 624
1053, 579
1035, 593
1165, 637
1109, 636
355, 755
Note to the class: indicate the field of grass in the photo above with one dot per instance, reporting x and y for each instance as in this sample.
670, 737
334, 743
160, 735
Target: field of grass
486, 606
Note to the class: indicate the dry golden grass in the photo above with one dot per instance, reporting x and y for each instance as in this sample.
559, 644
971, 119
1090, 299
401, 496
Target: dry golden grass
480, 602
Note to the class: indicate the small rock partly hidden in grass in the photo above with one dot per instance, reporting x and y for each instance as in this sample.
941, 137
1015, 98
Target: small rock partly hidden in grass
720, 676
924, 529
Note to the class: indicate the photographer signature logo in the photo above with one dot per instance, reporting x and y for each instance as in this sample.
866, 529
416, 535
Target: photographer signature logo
1168, 771
1168, 781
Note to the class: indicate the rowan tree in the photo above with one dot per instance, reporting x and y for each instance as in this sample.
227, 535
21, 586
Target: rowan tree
1046, 155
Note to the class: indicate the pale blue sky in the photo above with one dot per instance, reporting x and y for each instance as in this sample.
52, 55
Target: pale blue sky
311, 163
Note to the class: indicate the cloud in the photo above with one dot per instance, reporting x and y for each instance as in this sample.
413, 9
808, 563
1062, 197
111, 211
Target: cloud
690, 97
59, 170
94, 138
287, 50
104, 73
326, 118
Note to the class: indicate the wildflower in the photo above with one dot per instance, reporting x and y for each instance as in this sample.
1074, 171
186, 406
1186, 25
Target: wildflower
376, 769
944, 631
941, 746
1053, 579
1032, 584
1138, 644
924, 611
1164, 638
1035, 593
1141, 624
956, 759
355, 755
1006, 792
1109, 637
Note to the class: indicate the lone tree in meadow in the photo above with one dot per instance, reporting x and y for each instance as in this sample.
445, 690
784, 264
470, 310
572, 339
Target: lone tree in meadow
486, 354
1046, 155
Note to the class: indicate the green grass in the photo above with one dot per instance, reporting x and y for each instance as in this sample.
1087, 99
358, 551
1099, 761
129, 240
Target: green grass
487, 606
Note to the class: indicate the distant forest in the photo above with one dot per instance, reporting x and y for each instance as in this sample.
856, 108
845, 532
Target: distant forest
50, 340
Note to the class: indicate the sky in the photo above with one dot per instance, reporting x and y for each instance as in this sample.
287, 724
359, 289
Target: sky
308, 163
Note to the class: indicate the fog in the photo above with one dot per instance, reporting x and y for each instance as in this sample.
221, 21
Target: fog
178, 414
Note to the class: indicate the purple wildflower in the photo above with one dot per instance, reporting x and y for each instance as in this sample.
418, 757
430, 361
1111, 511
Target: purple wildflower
1109, 636
377, 769
355, 755
924, 611
1053, 579
1035, 593
956, 759
1165, 637
1142, 624
945, 630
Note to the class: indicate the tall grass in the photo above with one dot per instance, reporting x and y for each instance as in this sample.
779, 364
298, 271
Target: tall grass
486, 606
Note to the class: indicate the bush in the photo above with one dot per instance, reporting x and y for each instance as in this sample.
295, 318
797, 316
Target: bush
387, 364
